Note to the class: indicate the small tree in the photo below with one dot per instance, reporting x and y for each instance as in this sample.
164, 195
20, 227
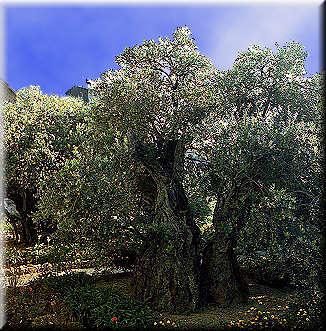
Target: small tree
41, 132
93, 204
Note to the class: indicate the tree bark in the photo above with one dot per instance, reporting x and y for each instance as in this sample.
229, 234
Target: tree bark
16, 231
25, 230
221, 280
167, 272
29, 231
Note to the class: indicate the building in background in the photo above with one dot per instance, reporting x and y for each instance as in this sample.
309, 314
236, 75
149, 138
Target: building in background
79, 92
82, 92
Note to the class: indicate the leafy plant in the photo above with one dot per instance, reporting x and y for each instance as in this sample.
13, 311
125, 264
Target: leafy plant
108, 308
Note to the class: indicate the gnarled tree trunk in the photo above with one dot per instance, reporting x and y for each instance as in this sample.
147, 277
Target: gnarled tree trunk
167, 272
17, 230
221, 280
25, 231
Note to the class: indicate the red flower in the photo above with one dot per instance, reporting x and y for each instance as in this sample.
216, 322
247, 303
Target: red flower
30, 289
114, 319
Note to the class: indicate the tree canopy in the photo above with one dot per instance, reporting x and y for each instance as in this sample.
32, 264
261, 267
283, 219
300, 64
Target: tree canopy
178, 164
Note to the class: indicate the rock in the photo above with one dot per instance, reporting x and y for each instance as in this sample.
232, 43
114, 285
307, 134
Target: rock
10, 208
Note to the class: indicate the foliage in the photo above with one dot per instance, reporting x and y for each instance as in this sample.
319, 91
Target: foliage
249, 138
164, 88
263, 158
54, 153
292, 245
264, 81
87, 198
67, 282
108, 308
47, 259
152, 104
96, 197
35, 255
252, 140
41, 133
42, 303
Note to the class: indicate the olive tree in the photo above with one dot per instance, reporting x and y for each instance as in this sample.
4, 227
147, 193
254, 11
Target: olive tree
269, 137
165, 135
156, 98
93, 205
41, 132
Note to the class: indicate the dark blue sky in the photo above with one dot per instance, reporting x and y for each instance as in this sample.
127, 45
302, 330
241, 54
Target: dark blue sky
60, 46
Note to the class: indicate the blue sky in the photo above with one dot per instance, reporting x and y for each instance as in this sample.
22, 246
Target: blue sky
57, 47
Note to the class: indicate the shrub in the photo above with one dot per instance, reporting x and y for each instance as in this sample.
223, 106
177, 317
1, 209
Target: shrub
108, 308
41, 133
63, 284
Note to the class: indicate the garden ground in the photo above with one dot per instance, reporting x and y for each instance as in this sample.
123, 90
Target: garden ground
34, 299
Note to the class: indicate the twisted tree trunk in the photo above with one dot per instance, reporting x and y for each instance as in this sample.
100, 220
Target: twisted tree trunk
17, 230
221, 280
167, 273
25, 231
